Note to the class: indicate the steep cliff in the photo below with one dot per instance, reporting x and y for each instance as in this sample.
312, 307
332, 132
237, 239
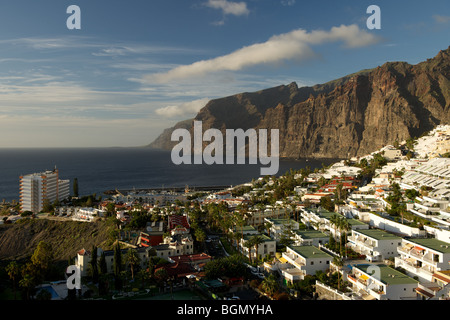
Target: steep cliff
354, 115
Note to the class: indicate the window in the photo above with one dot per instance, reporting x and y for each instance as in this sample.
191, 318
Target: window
312, 262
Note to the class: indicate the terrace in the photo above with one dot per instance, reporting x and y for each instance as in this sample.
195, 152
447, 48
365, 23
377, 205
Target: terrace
294, 259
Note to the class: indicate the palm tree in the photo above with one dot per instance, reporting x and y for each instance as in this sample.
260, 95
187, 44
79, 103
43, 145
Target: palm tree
268, 226
339, 263
132, 258
27, 282
344, 227
249, 245
334, 220
237, 236
143, 276
270, 284
257, 240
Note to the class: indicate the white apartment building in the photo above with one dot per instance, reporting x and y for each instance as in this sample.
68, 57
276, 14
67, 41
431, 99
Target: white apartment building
87, 214
304, 260
35, 188
423, 257
280, 226
319, 219
153, 198
175, 245
375, 244
267, 247
380, 282
83, 259
310, 238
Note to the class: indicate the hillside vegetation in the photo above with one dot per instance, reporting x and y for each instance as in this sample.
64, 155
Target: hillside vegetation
19, 240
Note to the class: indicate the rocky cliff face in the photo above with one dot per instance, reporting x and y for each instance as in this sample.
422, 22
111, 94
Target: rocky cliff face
354, 115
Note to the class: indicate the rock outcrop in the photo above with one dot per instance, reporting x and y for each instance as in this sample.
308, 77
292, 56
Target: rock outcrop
354, 115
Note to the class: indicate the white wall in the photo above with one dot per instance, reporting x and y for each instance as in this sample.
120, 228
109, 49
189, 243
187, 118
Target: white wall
392, 226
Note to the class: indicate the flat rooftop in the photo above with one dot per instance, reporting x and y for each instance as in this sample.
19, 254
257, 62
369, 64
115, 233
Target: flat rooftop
433, 244
387, 275
311, 234
355, 222
310, 252
278, 221
378, 234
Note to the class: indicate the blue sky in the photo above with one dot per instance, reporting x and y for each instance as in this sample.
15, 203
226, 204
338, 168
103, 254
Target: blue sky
137, 67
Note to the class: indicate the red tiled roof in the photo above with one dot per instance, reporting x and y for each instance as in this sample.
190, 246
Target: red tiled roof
177, 269
83, 252
438, 276
191, 257
175, 220
423, 292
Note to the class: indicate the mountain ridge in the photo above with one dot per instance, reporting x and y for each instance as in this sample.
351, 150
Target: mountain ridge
349, 116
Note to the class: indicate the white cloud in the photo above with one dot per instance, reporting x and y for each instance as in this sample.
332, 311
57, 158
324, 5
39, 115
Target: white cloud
441, 19
294, 45
229, 7
288, 2
183, 109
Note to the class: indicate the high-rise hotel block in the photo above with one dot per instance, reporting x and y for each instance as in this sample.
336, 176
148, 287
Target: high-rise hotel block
35, 188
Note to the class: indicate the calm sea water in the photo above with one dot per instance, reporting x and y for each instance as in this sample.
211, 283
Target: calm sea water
98, 170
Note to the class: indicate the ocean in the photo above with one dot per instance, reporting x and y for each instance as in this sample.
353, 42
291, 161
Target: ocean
102, 169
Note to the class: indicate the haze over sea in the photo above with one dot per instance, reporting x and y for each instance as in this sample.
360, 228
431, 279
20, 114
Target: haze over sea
102, 169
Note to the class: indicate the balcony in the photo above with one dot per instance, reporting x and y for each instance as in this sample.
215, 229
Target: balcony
293, 274
377, 294
294, 260
410, 266
425, 257
359, 241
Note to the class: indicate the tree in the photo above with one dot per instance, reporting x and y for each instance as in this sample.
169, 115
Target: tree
102, 264
117, 266
132, 258
13, 270
75, 187
30, 275
268, 226
334, 220
200, 235
143, 276
344, 227
42, 257
256, 241
287, 235
111, 209
249, 245
412, 194
28, 283
339, 263
89, 201
326, 203
270, 284
47, 206
161, 275
94, 264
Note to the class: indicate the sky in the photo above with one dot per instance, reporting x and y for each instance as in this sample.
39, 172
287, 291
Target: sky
137, 67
